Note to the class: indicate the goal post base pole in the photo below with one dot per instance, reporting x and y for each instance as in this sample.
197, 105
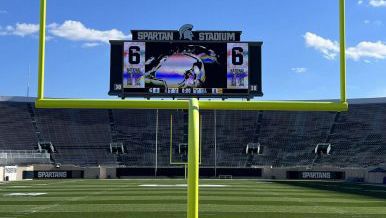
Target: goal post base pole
193, 158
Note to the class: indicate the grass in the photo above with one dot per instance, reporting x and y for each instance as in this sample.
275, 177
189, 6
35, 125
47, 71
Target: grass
238, 199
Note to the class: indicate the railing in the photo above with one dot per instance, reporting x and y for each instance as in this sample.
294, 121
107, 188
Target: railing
23, 156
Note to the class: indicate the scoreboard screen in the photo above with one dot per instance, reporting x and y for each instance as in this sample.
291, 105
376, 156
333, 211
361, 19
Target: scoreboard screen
185, 69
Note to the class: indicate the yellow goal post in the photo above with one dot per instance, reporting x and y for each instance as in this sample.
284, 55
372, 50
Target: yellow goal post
193, 105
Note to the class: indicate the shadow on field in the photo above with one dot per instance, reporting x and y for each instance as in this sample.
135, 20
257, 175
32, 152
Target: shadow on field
341, 187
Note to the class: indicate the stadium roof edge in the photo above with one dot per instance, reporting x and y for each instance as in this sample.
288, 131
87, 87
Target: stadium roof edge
367, 100
351, 101
17, 99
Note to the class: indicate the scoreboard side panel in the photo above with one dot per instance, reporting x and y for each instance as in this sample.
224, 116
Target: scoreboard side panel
116, 66
255, 69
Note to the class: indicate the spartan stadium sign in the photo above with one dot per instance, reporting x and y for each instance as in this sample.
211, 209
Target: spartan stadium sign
71, 174
185, 33
51, 175
315, 175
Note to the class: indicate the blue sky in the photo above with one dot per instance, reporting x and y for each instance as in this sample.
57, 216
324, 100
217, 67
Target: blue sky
300, 54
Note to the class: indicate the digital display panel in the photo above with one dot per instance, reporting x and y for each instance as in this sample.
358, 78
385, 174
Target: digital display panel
185, 68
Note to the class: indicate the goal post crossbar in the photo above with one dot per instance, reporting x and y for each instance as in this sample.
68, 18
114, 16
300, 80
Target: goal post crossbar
184, 104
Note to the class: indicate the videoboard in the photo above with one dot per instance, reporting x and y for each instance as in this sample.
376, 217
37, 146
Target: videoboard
185, 68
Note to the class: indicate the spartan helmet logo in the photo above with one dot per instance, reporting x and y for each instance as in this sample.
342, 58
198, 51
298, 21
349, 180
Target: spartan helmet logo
186, 32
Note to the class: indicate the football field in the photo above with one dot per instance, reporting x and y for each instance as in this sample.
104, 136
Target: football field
167, 199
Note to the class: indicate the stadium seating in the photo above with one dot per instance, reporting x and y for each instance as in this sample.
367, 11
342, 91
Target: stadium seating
16, 130
83, 137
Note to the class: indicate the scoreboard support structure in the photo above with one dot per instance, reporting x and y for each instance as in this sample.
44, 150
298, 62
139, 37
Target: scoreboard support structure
193, 105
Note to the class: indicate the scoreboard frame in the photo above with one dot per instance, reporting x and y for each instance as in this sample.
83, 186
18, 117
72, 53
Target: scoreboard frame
254, 72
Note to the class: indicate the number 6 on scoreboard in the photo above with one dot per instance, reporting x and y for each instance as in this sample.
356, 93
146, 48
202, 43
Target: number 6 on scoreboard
134, 65
237, 56
134, 55
238, 66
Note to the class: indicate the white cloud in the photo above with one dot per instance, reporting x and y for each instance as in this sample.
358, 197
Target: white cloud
330, 49
20, 29
373, 3
374, 50
76, 31
377, 3
299, 69
90, 44
373, 22
70, 30
24, 29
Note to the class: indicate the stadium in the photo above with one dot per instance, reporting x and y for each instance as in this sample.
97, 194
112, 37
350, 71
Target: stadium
184, 127
252, 160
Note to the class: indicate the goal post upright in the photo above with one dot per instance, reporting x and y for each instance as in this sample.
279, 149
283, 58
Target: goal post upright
42, 48
343, 60
193, 158
193, 105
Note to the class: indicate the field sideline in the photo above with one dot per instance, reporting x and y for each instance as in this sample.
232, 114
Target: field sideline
167, 199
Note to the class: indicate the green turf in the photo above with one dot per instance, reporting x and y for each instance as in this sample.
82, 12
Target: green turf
240, 198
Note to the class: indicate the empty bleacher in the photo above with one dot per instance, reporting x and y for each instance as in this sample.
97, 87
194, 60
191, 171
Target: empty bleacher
16, 130
79, 136
83, 137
